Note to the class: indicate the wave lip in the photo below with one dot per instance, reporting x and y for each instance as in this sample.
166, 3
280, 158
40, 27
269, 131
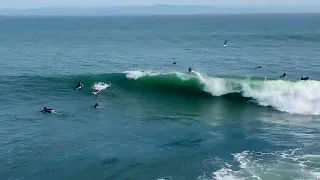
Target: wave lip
300, 97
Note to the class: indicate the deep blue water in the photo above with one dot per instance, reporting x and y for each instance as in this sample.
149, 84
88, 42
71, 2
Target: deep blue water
226, 120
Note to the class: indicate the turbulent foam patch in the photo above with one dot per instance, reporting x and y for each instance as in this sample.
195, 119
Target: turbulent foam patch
100, 86
289, 164
139, 74
299, 97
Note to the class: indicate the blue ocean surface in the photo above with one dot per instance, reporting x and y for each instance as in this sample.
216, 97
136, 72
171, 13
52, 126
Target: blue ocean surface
227, 119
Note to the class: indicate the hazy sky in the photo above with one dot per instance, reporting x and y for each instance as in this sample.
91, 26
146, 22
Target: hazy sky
99, 3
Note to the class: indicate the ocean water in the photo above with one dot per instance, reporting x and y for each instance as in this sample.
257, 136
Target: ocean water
226, 120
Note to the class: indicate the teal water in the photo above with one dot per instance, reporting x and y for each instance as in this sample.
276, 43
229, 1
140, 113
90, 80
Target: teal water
227, 120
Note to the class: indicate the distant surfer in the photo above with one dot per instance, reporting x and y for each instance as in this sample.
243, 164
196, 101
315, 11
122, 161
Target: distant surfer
190, 70
304, 78
46, 110
258, 67
174, 63
225, 43
96, 106
284, 74
79, 86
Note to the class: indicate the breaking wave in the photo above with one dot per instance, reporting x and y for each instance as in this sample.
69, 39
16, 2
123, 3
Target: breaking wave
299, 97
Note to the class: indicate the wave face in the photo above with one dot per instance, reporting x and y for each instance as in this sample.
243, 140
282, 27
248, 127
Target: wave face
300, 97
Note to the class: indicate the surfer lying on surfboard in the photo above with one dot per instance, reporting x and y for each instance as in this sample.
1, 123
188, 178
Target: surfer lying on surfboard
46, 110
174, 63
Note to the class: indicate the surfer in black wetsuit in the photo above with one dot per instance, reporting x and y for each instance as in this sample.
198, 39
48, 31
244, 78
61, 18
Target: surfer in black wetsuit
46, 110
96, 105
80, 85
304, 79
284, 74
225, 43
258, 67
174, 63
190, 70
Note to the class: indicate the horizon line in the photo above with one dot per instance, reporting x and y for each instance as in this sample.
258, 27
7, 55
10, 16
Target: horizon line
159, 5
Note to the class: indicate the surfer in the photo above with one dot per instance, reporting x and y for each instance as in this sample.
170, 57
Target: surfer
304, 79
284, 74
225, 43
258, 67
79, 86
174, 63
96, 106
46, 110
190, 70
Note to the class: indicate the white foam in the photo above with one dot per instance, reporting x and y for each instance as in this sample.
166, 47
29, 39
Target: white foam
139, 74
223, 174
293, 97
316, 175
215, 86
100, 86
270, 165
300, 97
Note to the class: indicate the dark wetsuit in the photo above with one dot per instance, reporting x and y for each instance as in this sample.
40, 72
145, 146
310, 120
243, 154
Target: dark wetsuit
284, 74
96, 105
46, 110
79, 85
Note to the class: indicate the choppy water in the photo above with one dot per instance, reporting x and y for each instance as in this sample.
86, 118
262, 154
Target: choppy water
227, 120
